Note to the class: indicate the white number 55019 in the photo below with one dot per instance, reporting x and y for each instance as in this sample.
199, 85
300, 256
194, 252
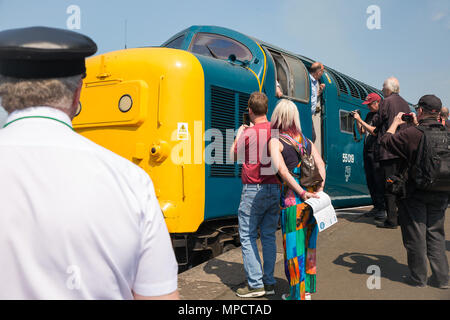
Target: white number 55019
348, 158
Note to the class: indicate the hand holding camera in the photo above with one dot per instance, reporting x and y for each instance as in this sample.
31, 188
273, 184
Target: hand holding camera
402, 118
356, 114
246, 120
408, 117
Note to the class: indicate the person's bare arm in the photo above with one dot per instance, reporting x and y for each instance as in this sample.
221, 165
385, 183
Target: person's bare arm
320, 165
233, 155
321, 88
171, 296
275, 148
279, 92
361, 129
397, 121
364, 125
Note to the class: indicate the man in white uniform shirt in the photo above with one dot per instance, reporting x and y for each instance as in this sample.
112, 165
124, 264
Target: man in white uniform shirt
3, 114
315, 73
76, 221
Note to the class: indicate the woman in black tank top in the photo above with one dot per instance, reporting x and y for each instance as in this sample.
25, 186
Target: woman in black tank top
290, 155
298, 225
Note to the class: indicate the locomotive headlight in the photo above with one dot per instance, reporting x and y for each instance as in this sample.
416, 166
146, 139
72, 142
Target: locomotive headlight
78, 109
125, 103
168, 210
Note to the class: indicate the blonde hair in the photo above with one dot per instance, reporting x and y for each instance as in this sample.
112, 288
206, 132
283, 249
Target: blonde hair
20, 94
286, 118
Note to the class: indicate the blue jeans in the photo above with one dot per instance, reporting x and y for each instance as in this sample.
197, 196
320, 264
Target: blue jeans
259, 208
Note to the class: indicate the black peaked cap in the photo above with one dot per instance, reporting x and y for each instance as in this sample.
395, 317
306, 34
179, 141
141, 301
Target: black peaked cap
42, 52
430, 102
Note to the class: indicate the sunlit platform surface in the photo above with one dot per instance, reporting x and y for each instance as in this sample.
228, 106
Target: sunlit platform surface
345, 253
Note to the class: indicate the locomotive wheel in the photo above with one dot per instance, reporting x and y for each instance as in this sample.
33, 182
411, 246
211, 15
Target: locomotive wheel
228, 247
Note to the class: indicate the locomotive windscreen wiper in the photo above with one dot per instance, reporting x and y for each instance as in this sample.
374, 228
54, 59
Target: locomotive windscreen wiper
211, 52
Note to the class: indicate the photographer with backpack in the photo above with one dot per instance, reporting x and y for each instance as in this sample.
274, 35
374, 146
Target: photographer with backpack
425, 185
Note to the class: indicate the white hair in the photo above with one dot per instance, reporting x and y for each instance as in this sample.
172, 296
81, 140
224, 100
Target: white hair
285, 117
17, 94
392, 84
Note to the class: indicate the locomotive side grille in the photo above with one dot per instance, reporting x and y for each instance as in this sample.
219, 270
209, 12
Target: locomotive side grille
222, 170
362, 92
225, 106
340, 82
370, 89
243, 105
222, 118
353, 90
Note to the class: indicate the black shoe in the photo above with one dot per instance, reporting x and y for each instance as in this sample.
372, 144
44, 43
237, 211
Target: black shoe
433, 283
386, 225
380, 216
409, 281
371, 213
270, 289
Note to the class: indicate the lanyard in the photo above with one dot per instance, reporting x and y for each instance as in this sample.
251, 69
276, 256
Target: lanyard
37, 117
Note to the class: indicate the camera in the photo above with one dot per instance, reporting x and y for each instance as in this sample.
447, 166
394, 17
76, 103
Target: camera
396, 184
408, 117
246, 118
352, 113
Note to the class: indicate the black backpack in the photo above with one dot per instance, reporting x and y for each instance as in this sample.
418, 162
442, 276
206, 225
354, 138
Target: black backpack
431, 170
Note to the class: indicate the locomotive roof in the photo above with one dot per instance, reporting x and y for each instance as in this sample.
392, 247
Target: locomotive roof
356, 88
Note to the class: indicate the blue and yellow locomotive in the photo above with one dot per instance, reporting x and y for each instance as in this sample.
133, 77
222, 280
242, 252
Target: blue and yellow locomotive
153, 105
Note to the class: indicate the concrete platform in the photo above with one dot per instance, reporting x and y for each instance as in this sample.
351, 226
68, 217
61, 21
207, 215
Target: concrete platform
345, 252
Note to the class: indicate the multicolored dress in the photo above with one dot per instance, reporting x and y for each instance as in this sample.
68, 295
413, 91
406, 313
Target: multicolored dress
299, 229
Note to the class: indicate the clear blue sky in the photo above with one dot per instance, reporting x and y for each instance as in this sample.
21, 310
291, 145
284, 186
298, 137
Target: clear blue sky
413, 43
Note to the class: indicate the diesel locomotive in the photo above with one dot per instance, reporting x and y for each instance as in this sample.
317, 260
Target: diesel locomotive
157, 107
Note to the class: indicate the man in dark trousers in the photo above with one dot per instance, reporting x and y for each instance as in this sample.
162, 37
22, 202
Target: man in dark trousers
421, 213
389, 162
374, 174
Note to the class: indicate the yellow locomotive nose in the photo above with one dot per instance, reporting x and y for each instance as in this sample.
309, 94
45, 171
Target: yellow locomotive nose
134, 102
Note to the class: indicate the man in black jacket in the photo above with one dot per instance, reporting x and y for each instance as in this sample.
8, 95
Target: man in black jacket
389, 162
421, 213
372, 169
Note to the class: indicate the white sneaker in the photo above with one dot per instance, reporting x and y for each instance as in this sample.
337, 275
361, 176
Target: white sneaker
285, 296
248, 292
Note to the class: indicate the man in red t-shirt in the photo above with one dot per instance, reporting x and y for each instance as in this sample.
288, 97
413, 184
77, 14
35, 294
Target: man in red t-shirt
259, 207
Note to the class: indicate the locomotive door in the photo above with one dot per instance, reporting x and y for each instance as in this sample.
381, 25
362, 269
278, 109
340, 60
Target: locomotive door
321, 116
318, 124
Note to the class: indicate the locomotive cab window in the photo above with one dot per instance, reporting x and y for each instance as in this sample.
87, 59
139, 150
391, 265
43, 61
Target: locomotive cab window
299, 84
219, 47
176, 43
346, 121
292, 76
282, 72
